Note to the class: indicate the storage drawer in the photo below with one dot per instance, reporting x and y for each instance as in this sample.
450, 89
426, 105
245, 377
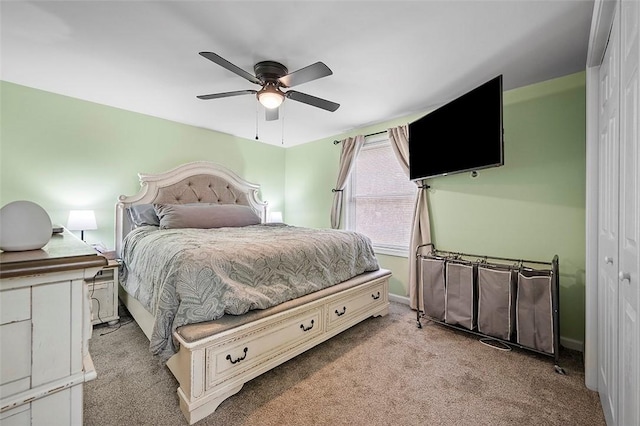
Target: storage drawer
103, 301
56, 408
19, 416
352, 307
15, 305
259, 344
15, 353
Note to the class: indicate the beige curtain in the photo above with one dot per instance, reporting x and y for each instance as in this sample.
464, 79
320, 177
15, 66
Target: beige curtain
420, 229
350, 149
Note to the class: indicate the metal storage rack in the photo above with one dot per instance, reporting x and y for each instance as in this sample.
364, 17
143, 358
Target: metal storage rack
520, 266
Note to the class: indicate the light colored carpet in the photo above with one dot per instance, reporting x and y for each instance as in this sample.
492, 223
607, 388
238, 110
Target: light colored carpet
384, 371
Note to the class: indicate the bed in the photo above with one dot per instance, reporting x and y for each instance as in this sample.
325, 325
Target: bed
215, 345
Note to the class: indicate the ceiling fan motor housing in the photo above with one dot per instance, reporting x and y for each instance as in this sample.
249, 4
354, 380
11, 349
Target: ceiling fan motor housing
269, 71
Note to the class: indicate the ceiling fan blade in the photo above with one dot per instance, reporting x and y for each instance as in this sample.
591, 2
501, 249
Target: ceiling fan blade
312, 100
271, 114
227, 94
228, 65
303, 75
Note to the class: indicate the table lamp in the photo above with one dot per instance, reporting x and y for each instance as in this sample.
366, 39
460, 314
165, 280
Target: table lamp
81, 220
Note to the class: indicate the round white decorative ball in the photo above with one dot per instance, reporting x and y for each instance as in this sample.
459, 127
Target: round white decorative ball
24, 225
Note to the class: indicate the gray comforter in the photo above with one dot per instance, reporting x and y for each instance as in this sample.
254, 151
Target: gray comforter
185, 276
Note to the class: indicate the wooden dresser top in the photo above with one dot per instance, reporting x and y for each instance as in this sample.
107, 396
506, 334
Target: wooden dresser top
63, 252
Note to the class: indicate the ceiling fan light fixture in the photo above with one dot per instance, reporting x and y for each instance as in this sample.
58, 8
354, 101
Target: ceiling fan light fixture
270, 97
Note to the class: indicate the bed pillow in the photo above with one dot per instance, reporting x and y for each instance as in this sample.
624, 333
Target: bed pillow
143, 215
205, 216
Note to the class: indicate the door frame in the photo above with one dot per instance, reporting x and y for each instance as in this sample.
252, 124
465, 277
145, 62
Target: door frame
601, 21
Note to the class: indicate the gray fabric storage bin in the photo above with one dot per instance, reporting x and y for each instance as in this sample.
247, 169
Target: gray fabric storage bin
433, 287
534, 311
460, 294
496, 300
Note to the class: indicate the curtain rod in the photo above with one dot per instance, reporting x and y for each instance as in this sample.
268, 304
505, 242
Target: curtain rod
336, 142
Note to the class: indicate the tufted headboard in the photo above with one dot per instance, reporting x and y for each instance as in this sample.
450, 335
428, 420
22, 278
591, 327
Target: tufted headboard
197, 182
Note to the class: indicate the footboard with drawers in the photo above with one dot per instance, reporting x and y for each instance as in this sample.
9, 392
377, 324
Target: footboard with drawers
217, 358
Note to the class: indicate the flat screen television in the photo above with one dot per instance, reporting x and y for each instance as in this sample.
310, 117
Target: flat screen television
464, 135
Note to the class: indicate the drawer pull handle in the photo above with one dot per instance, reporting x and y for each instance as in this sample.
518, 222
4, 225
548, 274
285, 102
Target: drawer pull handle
238, 359
344, 310
306, 328
376, 296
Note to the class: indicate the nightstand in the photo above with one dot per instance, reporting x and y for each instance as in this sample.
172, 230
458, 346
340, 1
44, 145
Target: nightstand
103, 291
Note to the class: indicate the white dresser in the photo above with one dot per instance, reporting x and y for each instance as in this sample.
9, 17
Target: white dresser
45, 324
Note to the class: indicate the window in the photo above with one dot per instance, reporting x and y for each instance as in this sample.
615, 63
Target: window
381, 198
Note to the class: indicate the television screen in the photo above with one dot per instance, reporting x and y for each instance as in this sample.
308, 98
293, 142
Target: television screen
463, 135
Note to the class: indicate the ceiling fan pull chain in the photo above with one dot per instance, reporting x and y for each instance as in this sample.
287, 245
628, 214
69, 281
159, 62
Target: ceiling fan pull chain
282, 107
256, 120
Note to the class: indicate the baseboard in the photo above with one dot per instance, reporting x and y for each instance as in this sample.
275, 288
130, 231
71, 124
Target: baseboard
572, 344
576, 345
399, 299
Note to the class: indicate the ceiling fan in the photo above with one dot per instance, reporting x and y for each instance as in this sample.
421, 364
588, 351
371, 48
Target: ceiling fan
273, 76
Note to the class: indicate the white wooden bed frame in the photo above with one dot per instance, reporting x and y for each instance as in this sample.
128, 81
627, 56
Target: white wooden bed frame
216, 363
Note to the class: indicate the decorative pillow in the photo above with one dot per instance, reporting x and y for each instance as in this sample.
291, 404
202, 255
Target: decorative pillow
143, 214
204, 216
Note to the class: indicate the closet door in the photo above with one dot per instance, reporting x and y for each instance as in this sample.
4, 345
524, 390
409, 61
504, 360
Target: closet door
629, 222
608, 227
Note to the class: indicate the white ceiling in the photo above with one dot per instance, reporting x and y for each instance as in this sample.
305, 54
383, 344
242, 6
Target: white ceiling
389, 58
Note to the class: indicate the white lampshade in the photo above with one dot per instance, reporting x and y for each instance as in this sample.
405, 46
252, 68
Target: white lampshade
270, 97
81, 220
275, 217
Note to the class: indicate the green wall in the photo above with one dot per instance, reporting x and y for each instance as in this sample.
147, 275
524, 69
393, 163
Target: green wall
64, 154
533, 207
